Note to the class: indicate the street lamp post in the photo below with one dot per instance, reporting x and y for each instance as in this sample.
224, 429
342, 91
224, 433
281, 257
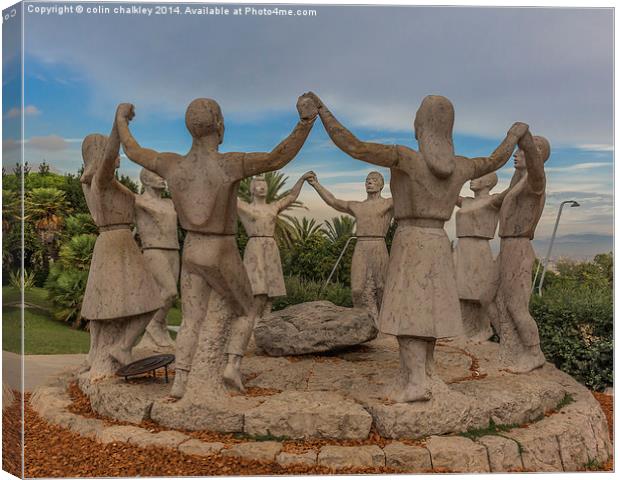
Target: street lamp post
572, 203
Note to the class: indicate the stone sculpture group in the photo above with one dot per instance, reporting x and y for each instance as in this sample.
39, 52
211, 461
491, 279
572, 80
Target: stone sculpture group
419, 293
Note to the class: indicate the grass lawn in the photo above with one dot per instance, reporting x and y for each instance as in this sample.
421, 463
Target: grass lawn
43, 333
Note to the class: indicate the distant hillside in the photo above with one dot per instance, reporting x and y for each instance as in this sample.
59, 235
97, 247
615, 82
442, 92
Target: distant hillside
577, 246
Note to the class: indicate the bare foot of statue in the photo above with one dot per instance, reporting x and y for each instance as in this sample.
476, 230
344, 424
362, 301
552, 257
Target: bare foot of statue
232, 373
531, 359
411, 393
158, 334
121, 355
178, 386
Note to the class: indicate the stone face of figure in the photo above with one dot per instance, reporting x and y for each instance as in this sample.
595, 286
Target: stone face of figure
519, 215
420, 302
121, 295
262, 255
370, 257
476, 222
203, 185
156, 223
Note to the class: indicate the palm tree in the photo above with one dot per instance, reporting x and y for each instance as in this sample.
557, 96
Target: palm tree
11, 216
45, 208
302, 230
339, 228
79, 224
10, 209
67, 279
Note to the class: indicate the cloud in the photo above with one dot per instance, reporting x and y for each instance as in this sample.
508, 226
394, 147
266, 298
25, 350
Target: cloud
552, 68
52, 143
10, 145
15, 112
596, 147
579, 167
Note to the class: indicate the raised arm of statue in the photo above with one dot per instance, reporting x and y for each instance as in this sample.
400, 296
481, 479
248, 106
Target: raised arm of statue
241, 204
375, 153
483, 165
459, 201
498, 198
534, 163
149, 159
288, 200
261, 162
108, 165
340, 205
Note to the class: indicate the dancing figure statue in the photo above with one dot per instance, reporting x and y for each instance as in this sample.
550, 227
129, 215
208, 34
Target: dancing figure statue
370, 257
121, 295
262, 255
420, 303
521, 209
215, 290
476, 222
156, 224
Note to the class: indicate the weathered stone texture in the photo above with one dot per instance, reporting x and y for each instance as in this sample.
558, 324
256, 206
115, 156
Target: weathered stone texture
313, 327
341, 457
309, 415
457, 454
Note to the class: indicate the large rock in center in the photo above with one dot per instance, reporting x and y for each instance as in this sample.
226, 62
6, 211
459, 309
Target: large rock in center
313, 327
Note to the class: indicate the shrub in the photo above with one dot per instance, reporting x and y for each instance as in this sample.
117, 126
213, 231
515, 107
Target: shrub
299, 290
66, 281
66, 291
79, 224
575, 321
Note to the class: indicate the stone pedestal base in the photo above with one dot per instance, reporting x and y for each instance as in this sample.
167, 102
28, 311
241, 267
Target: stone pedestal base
476, 410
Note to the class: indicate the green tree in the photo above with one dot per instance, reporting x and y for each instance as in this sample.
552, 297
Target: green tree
79, 224
575, 320
339, 228
44, 168
67, 279
304, 229
11, 232
128, 182
45, 207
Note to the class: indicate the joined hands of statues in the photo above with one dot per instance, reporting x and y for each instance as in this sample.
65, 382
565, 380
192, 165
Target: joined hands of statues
125, 111
311, 178
307, 108
315, 98
308, 176
519, 129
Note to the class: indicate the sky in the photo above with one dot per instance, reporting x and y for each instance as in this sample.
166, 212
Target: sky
549, 67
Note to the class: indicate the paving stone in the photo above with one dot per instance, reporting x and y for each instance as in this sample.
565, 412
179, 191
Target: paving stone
122, 401
48, 401
119, 433
446, 412
309, 415
407, 457
307, 458
167, 439
221, 415
260, 451
202, 449
540, 450
576, 439
340, 457
457, 454
503, 453
87, 427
